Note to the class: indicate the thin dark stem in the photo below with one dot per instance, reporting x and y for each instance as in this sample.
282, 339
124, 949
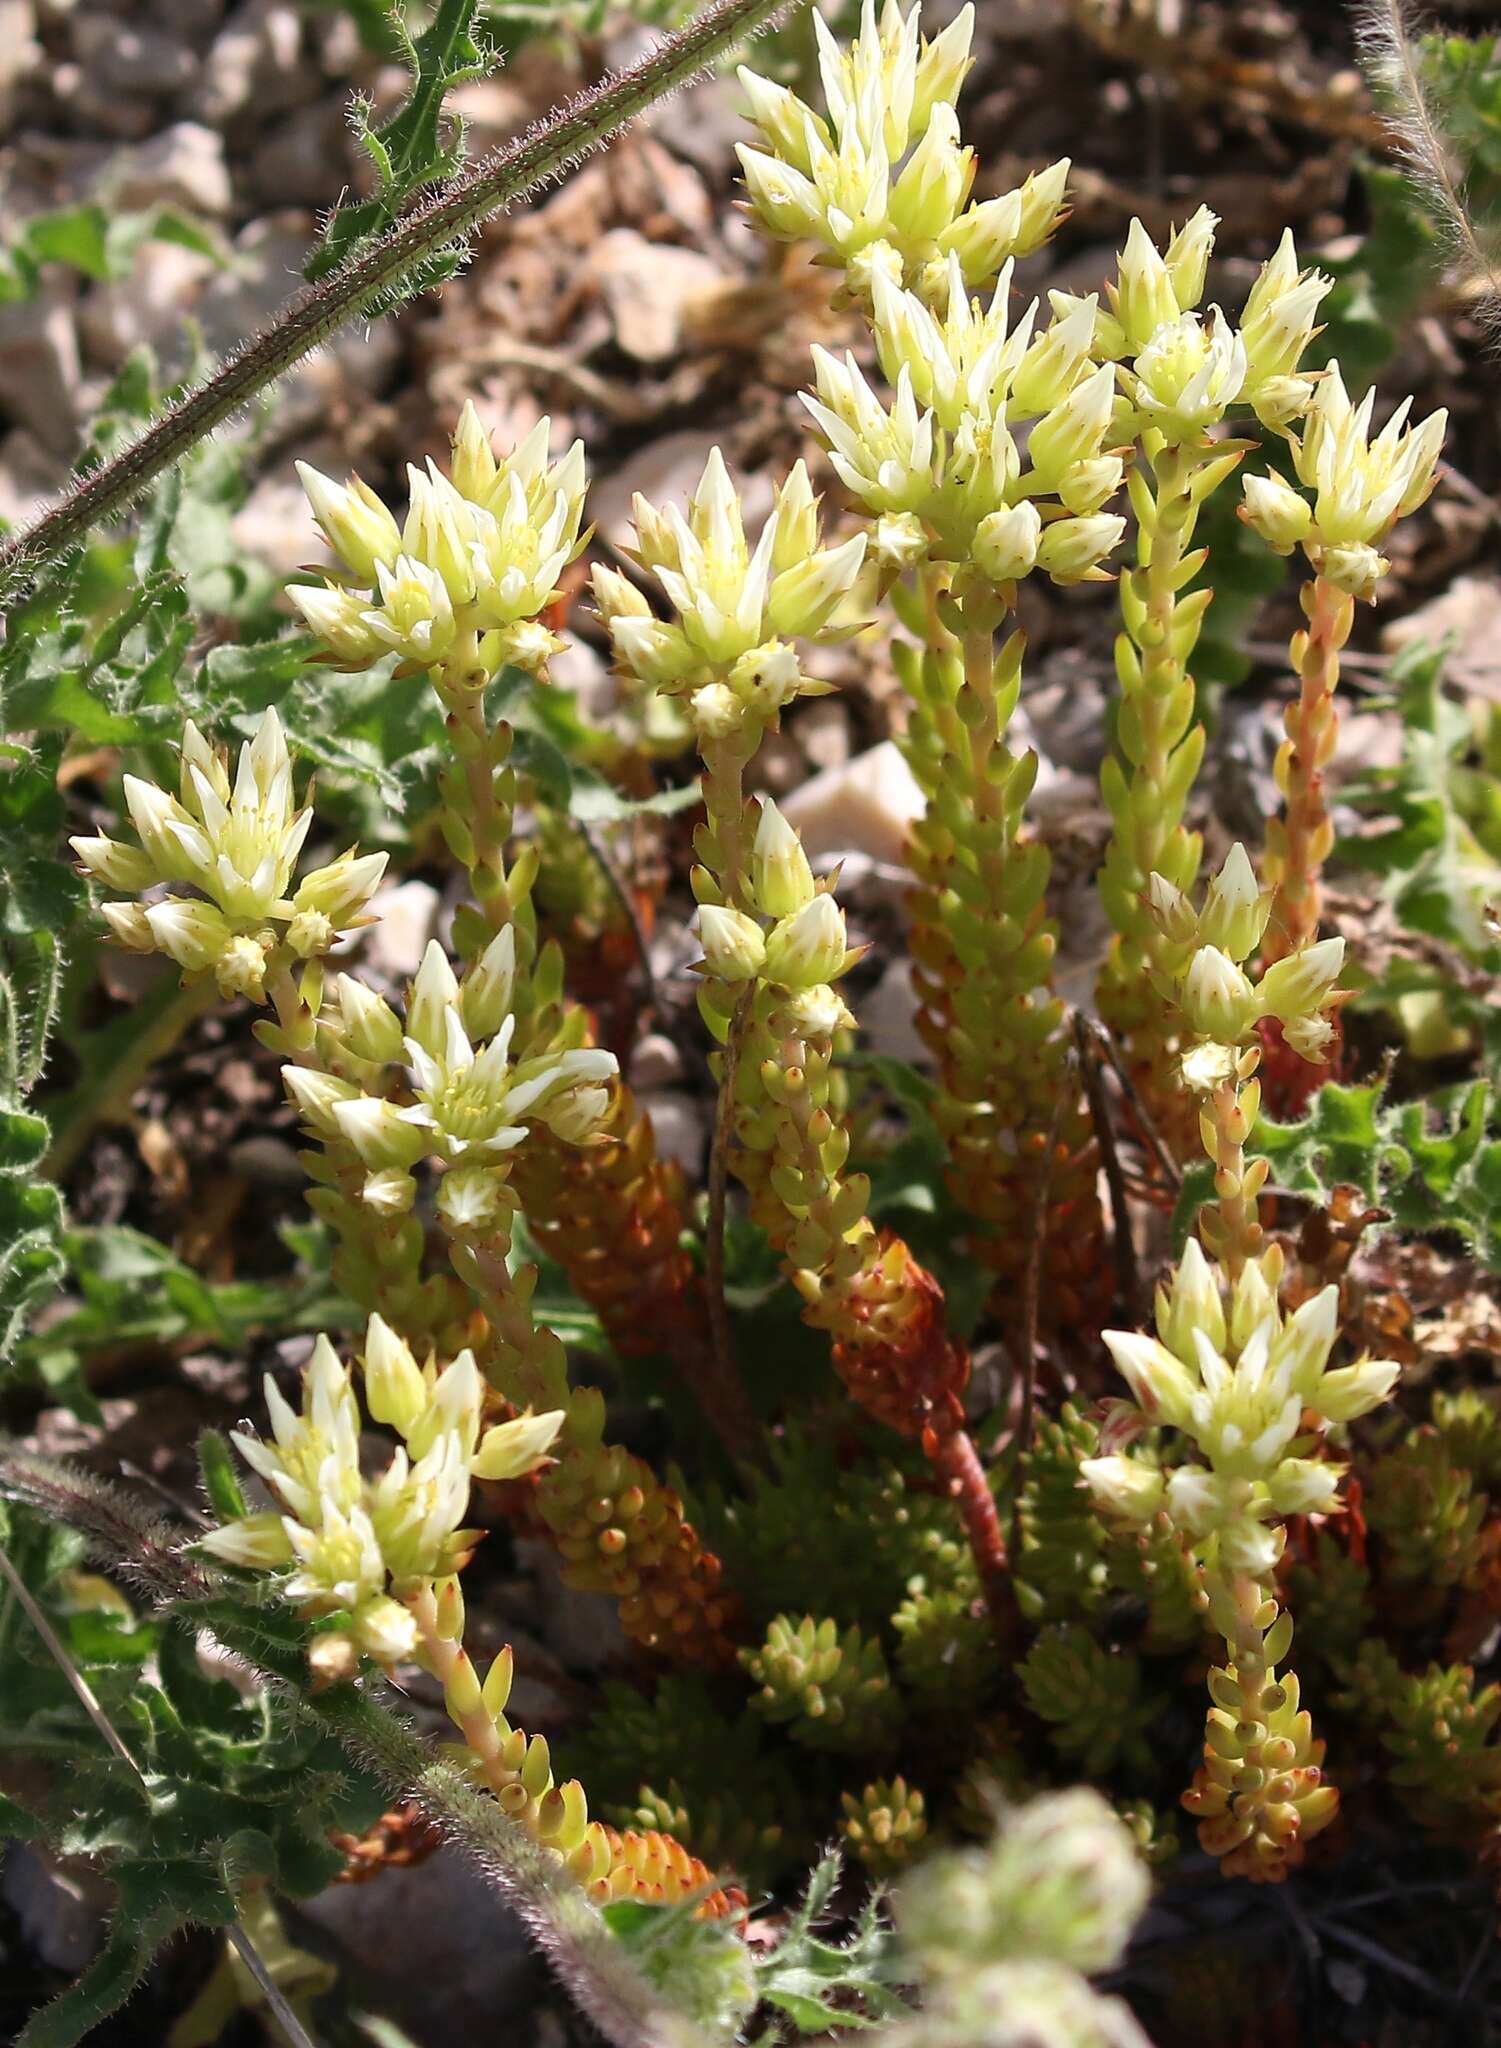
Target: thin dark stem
1026, 1360
954, 1458
1087, 1036
448, 216
721, 1337
616, 884
1171, 1172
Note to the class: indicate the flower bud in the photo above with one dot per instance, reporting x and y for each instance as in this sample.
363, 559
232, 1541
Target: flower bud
473, 466
116, 865
1192, 1304
512, 1449
1236, 908
1298, 987
1006, 543
1171, 911
1161, 1384
240, 969
1304, 1486
803, 599
487, 991
808, 947
1187, 258
337, 618
1071, 550
1281, 515
315, 1095
734, 944
391, 1192
395, 1391
341, 890
368, 1026
1073, 431
781, 879
386, 1630
379, 1134
1144, 295
128, 925
359, 528
1355, 568
1353, 1390
191, 933
1127, 1487
575, 1116
931, 188
1218, 1002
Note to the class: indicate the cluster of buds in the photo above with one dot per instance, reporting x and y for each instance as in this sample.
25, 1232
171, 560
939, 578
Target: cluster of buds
470, 1106
363, 1548
938, 469
885, 178
1249, 1389
1361, 486
736, 610
459, 586
236, 846
1182, 373
1218, 1001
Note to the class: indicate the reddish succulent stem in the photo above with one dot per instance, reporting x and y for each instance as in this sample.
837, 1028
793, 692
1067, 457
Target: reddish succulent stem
1298, 843
952, 1453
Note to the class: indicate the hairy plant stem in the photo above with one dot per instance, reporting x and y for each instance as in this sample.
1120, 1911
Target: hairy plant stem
954, 1459
1298, 843
447, 217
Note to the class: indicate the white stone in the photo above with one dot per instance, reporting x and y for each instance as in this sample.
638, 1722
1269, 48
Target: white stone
254, 64
887, 1017
147, 307
655, 1063
648, 288
121, 57
865, 806
407, 914
31, 478
666, 472
678, 1124
182, 166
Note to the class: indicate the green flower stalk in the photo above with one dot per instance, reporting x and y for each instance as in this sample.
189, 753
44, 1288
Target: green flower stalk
774, 945
1250, 1390
1360, 485
379, 1558
1181, 377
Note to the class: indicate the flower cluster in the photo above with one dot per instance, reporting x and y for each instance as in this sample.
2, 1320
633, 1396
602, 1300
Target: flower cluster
1250, 1389
885, 177
459, 586
235, 845
938, 468
1218, 1001
1361, 486
736, 609
361, 1548
469, 1107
